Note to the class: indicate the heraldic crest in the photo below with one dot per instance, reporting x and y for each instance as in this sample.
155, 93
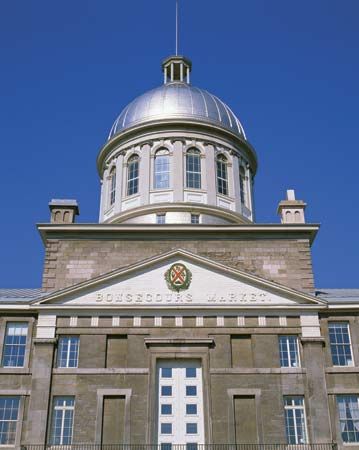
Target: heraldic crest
178, 277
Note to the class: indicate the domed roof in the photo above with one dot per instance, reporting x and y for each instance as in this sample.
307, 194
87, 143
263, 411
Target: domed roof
177, 100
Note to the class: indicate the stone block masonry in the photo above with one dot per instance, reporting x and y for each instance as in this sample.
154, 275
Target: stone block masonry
286, 261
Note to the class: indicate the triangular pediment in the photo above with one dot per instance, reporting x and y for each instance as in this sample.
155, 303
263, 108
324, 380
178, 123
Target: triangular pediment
157, 282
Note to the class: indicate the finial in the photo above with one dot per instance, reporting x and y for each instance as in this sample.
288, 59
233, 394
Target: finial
176, 27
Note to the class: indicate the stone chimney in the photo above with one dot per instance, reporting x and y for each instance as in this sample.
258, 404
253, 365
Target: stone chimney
63, 210
291, 210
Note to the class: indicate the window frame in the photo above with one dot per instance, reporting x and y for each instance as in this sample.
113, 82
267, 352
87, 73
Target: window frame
160, 221
198, 219
295, 408
63, 418
243, 188
352, 363
189, 153
220, 181
132, 160
58, 359
161, 152
339, 420
19, 419
283, 336
29, 321
112, 186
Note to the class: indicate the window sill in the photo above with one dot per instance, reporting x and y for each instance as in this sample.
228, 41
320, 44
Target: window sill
255, 370
342, 369
15, 370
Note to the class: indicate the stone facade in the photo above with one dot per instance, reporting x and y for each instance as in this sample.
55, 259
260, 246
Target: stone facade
286, 261
242, 373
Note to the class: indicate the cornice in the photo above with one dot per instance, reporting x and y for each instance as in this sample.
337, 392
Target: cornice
177, 232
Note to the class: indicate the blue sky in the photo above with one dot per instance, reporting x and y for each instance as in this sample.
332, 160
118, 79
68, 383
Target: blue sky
288, 69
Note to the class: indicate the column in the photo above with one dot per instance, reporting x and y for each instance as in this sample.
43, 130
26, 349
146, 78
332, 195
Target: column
249, 189
144, 183
236, 187
177, 171
211, 175
104, 192
119, 176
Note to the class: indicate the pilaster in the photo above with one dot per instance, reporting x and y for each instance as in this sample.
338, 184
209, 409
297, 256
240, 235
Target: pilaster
178, 171
316, 390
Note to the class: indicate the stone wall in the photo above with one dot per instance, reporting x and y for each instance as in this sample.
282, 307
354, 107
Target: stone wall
286, 261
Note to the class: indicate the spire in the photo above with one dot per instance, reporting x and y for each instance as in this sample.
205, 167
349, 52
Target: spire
176, 68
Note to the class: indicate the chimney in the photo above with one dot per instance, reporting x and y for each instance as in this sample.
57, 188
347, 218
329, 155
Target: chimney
63, 210
291, 210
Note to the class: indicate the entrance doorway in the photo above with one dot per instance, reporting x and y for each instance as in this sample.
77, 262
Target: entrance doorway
180, 404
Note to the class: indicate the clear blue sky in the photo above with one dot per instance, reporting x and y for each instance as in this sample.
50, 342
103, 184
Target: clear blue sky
289, 69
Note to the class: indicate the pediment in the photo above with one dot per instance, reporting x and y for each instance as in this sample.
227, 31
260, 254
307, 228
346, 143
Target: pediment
206, 284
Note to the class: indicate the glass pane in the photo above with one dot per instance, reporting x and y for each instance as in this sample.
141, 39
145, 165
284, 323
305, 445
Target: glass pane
166, 390
166, 409
166, 428
191, 390
191, 372
191, 409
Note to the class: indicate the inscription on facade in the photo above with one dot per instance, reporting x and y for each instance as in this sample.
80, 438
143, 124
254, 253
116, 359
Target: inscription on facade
168, 298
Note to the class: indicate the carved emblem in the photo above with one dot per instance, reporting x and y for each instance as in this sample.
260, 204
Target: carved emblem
178, 277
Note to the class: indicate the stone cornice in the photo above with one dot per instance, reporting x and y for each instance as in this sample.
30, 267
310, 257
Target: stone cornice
177, 232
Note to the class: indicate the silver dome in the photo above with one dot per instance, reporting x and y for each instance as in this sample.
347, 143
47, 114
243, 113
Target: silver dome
177, 100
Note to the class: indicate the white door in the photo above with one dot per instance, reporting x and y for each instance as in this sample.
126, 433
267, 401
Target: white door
180, 404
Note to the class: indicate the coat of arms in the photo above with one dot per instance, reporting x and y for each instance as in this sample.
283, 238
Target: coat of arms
178, 277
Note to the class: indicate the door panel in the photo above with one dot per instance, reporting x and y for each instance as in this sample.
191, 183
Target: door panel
180, 403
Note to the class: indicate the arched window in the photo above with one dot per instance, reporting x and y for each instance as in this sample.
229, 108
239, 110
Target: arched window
222, 179
162, 169
193, 168
242, 186
132, 175
112, 186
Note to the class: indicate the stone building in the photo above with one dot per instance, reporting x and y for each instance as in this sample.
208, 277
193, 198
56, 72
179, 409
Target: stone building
178, 319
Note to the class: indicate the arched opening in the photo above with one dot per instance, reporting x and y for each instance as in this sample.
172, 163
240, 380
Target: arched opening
112, 183
222, 177
193, 168
133, 175
162, 169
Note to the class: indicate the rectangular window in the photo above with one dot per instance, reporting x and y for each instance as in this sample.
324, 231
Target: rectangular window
288, 351
191, 428
62, 420
195, 218
295, 422
191, 446
348, 412
191, 391
166, 446
166, 391
68, 351
166, 428
191, 409
340, 344
191, 372
161, 219
166, 409
9, 416
166, 372
15, 344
